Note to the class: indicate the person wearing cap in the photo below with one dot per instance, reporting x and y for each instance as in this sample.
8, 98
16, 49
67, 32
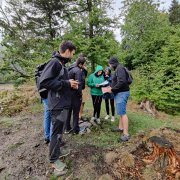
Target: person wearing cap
121, 91
109, 97
94, 80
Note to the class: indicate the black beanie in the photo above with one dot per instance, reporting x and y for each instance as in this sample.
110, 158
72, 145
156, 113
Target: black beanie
113, 61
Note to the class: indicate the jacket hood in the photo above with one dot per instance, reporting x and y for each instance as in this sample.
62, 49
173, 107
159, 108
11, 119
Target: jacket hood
98, 68
72, 66
62, 59
114, 62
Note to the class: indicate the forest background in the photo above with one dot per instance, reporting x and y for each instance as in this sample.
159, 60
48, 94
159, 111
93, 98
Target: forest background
150, 41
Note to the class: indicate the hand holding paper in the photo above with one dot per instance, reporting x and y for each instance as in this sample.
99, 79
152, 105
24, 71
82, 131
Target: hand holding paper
106, 89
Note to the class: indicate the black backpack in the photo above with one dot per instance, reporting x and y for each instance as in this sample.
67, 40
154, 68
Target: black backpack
38, 73
129, 76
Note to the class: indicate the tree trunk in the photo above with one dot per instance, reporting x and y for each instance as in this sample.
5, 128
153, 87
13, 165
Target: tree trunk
91, 35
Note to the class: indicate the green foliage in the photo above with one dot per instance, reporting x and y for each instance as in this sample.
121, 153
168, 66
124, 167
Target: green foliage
160, 81
174, 13
144, 32
151, 46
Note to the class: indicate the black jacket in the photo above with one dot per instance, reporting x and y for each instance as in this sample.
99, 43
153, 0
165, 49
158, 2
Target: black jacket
58, 86
119, 80
76, 73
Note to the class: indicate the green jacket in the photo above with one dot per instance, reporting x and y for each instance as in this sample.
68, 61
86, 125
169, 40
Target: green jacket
93, 80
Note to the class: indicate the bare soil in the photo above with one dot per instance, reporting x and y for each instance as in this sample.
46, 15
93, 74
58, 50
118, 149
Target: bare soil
24, 155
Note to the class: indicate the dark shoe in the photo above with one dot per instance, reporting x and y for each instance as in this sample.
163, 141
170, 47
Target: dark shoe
75, 132
124, 137
62, 143
64, 153
46, 140
116, 130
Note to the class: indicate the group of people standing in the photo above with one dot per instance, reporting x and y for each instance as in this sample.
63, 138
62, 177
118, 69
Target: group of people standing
64, 97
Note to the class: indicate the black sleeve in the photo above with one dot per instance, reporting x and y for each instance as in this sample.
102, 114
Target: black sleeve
49, 78
121, 79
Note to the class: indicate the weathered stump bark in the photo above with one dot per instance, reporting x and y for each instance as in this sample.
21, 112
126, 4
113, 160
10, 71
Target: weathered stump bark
148, 106
163, 150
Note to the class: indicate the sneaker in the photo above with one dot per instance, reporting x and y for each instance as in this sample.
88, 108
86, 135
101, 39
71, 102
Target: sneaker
58, 166
68, 131
125, 137
82, 130
112, 119
64, 153
116, 129
107, 117
92, 121
98, 121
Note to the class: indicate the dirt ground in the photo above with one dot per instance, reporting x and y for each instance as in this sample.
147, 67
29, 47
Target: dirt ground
24, 155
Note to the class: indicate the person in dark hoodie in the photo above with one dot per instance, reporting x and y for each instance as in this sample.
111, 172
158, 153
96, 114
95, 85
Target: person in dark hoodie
121, 90
109, 97
56, 80
76, 73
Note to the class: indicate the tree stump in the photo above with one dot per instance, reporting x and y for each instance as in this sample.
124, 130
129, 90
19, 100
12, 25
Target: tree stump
164, 151
148, 106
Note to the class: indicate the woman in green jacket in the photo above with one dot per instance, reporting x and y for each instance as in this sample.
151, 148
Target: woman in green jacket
94, 80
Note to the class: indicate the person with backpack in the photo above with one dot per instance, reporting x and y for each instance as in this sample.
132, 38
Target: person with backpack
109, 97
76, 73
121, 90
94, 80
55, 79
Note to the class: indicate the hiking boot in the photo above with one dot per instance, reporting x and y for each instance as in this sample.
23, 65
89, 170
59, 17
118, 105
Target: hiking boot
46, 140
98, 121
92, 121
124, 137
64, 152
116, 129
58, 166
112, 119
107, 117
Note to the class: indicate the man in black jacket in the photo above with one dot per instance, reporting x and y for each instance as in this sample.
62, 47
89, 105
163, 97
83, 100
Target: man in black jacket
56, 80
76, 73
121, 90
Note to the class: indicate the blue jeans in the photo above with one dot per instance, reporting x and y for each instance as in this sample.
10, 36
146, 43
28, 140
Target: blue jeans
47, 120
121, 102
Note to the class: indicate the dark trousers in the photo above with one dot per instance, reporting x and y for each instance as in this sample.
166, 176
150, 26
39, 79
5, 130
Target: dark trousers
96, 105
112, 106
58, 118
75, 108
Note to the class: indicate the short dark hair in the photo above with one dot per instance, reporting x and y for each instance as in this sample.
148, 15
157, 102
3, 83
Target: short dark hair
81, 60
67, 45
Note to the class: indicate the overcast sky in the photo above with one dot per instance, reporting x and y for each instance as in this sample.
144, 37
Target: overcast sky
164, 5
